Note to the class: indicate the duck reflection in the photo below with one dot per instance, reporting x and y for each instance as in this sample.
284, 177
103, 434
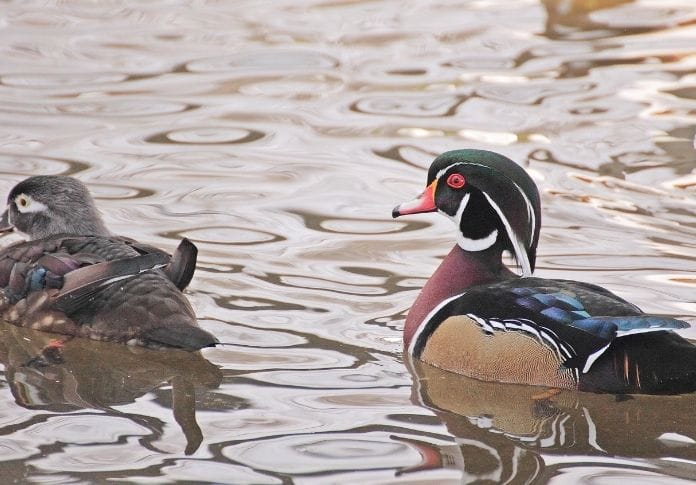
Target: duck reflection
572, 19
503, 432
66, 375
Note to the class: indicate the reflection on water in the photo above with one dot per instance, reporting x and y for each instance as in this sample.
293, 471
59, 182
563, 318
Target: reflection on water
102, 377
522, 433
278, 136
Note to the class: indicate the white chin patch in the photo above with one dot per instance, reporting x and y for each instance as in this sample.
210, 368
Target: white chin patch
478, 244
464, 242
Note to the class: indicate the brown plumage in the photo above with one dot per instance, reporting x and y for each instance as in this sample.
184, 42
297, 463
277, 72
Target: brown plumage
73, 278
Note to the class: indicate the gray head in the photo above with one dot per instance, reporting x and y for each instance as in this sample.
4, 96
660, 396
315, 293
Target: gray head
48, 205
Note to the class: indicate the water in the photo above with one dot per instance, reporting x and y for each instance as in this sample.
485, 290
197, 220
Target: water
278, 136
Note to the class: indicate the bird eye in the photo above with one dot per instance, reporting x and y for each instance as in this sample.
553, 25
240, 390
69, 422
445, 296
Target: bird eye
456, 181
22, 202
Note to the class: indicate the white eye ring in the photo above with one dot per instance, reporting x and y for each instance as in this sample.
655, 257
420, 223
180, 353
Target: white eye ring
26, 204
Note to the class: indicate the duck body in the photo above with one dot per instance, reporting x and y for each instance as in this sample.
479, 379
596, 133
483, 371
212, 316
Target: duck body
477, 318
97, 286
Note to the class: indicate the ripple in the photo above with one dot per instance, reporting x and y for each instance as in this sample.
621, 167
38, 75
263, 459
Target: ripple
49, 80
477, 63
86, 429
271, 60
293, 87
353, 400
227, 235
421, 105
365, 377
119, 192
127, 108
532, 93
252, 337
327, 452
610, 473
18, 450
285, 358
207, 136
251, 303
95, 459
348, 225
680, 279
19, 164
191, 471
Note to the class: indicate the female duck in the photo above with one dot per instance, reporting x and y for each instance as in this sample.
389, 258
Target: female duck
73, 277
476, 317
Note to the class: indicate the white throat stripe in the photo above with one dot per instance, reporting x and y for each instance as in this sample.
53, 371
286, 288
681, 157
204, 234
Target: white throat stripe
477, 244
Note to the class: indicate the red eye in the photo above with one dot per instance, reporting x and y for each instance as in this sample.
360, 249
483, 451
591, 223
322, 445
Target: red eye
456, 181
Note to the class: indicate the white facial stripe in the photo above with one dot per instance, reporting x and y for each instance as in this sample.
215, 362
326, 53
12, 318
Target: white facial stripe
442, 172
530, 212
520, 253
460, 209
26, 204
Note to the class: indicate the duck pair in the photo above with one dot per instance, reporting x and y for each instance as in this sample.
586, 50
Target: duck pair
473, 317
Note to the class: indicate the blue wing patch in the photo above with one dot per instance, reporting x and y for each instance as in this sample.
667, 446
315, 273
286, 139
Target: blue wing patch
558, 314
636, 322
563, 307
603, 328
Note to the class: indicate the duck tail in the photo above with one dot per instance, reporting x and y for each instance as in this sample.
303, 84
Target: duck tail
182, 336
658, 362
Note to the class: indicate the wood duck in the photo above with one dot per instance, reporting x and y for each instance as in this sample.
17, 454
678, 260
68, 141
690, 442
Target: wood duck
476, 317
73, 277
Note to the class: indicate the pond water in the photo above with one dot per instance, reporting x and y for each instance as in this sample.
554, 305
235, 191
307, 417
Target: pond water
278, 136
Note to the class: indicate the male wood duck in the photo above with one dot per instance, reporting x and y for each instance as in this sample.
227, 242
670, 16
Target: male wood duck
476, 317
73, 277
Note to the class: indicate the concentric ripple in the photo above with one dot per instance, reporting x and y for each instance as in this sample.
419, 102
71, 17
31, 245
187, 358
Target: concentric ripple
207, 136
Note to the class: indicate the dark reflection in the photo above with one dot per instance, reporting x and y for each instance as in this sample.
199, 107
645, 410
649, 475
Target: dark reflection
571, 20
84, 374
574, 20
503, 431
582, 67
679, 147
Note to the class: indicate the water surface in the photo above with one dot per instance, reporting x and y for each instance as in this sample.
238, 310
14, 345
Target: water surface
278, 136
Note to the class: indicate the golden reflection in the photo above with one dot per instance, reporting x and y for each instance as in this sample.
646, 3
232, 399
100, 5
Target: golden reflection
519, 421
563, 15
